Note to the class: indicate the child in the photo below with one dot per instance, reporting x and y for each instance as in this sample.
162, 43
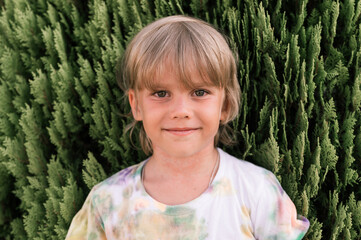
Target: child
182, 86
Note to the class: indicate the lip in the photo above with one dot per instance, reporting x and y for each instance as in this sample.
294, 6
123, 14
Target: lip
181, 131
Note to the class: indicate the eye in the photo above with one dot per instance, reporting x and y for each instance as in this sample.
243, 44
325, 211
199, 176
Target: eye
200, 92
160, 94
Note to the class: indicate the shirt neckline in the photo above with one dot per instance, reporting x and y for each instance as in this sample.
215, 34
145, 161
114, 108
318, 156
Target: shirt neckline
184, 208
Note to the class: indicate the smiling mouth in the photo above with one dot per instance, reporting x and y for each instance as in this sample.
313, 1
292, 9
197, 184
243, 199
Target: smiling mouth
181, 131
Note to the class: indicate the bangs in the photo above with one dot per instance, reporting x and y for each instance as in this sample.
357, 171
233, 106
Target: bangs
187, 73
187, 51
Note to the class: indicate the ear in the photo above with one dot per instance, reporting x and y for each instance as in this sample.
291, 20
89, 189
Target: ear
134, 105
225, 109
224, 115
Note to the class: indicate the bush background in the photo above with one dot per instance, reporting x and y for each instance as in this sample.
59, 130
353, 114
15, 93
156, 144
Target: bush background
61, 122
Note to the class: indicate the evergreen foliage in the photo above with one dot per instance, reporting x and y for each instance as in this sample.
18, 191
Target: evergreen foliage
62, 114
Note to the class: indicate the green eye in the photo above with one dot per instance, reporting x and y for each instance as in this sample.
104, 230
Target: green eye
161, 94
200, 93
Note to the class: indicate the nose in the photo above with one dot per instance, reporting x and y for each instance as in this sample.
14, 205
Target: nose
180, 107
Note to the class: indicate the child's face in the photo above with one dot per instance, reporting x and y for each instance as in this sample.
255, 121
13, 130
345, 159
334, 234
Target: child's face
179, 121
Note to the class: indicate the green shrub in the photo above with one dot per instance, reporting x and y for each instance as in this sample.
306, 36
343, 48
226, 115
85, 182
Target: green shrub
62, 113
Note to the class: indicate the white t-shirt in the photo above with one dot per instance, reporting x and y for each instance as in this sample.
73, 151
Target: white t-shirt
243, 202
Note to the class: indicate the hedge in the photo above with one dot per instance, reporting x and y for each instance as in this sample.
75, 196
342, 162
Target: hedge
62, 114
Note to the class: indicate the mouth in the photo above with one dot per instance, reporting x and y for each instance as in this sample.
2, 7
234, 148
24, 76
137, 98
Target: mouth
181, 131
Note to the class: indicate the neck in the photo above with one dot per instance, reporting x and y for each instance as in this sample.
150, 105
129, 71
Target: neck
183, 166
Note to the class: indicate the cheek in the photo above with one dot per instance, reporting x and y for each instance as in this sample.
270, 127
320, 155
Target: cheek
152, 117
211, 114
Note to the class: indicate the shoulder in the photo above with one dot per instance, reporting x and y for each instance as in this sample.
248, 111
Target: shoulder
245, 170
119, 182
250, 181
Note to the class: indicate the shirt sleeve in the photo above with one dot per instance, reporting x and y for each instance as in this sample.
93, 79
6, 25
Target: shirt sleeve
275, 216
87, 223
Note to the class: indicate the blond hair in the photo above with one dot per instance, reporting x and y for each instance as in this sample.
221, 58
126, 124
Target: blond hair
181, 40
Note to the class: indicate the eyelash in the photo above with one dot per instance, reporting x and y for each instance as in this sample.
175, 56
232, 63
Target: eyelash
164, 93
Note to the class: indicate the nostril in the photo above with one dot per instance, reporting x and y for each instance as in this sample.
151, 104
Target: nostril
180, 116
